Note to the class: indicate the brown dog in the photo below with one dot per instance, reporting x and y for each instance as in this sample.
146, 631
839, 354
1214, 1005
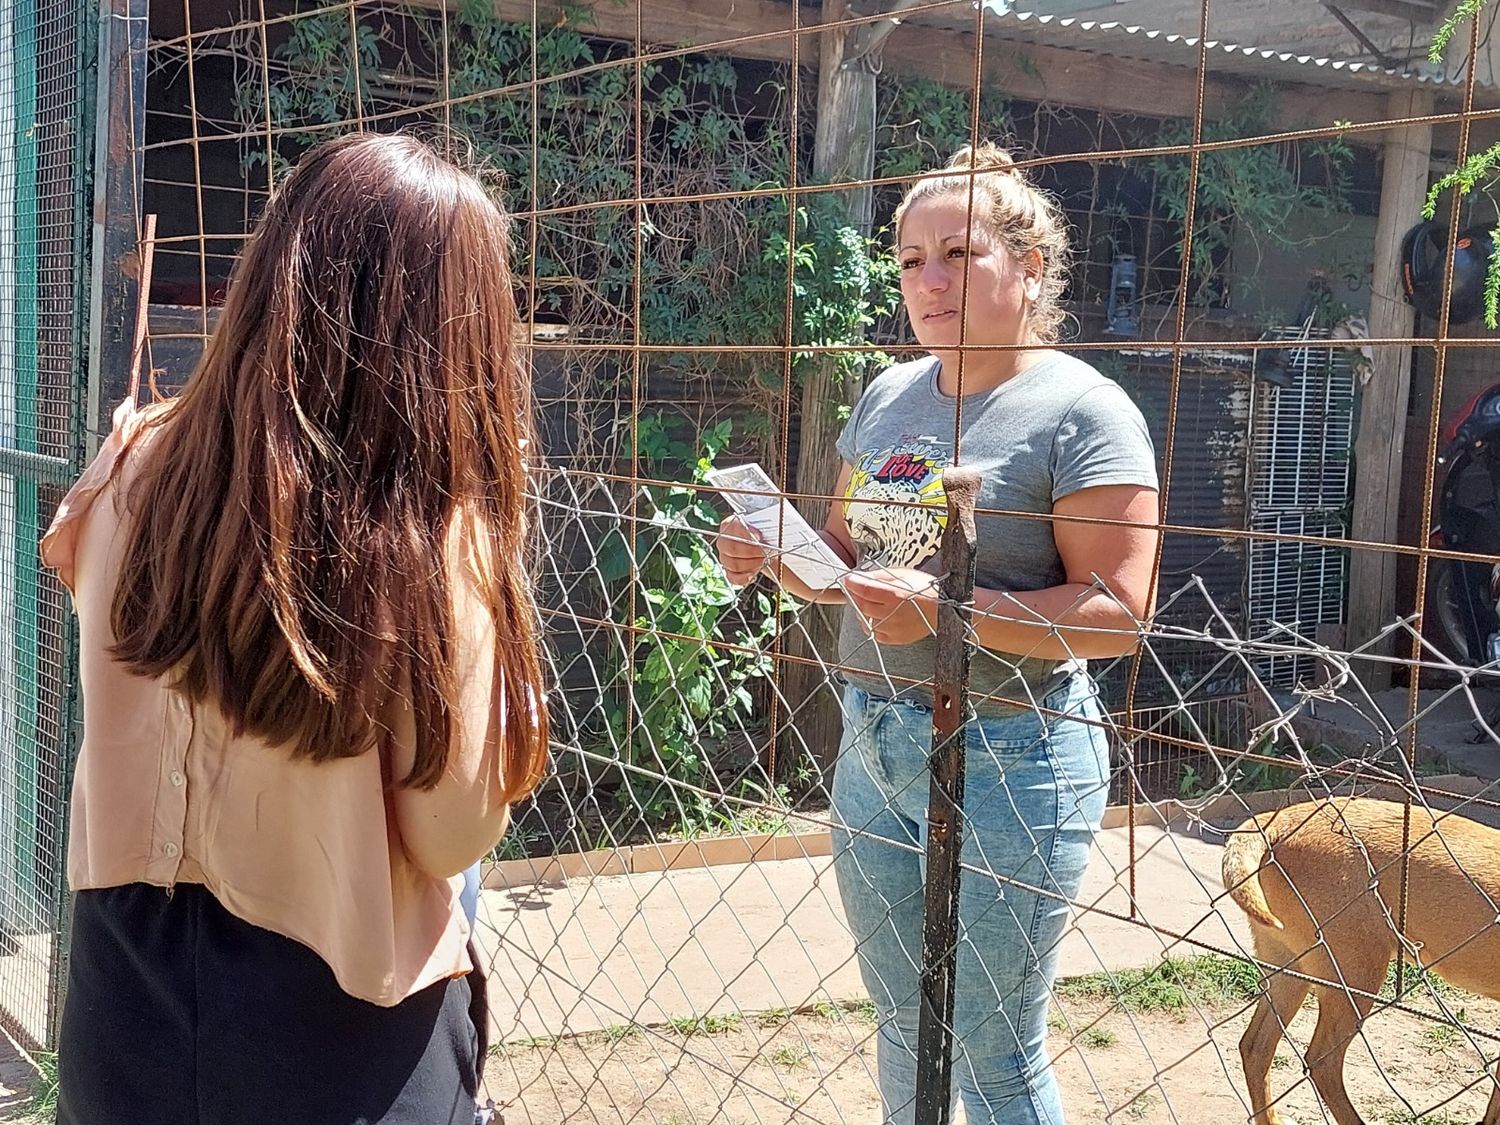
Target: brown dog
1334, 868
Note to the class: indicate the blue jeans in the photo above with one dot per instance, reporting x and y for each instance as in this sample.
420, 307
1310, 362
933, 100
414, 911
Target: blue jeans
469, 896
1034, 795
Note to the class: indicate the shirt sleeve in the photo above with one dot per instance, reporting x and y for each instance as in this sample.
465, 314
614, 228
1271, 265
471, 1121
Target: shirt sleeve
1102, 440
848, 443
59, 545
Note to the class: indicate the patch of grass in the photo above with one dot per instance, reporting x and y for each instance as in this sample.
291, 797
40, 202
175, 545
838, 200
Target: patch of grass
530, 1044
1098, 1037
773, 1017
1056, 1021
1441, 1117
42, 1105
1172, 985
762, 822
1280, 1061
706, 1025
790, 1057
1422, 982
862, 1011
620, 1031
518, 843
1143, 1104
1438, 1038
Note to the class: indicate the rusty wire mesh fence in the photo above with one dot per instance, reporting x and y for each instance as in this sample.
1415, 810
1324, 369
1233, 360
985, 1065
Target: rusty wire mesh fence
703, 195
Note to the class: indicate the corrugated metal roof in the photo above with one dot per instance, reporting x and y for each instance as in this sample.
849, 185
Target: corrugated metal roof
1120, 39
1297, 26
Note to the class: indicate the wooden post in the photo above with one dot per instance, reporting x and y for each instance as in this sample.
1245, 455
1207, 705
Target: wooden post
119, 170
1378, 483
844, 140
843, 151
945, 801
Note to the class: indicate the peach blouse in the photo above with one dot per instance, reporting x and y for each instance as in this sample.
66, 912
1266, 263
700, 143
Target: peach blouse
328, 854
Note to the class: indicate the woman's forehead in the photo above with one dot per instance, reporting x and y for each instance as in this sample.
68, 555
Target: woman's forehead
945, 215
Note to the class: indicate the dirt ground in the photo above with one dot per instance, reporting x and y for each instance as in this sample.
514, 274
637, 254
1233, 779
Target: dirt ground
1116, 1063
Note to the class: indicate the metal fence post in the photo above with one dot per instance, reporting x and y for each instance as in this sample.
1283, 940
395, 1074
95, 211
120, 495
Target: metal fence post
955, 650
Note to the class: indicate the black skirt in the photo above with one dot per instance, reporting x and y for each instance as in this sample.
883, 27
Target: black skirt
179, 1013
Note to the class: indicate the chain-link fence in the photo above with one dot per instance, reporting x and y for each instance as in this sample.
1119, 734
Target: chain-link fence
740, 894
46, 59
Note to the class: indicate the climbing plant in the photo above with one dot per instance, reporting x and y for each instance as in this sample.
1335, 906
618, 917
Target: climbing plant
924, 122
695, 269
1258, 188
1478, 174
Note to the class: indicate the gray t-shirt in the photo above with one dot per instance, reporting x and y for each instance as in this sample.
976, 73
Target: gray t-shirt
1057, 427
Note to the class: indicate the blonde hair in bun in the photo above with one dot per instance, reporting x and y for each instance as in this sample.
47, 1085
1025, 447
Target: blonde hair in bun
1022, 216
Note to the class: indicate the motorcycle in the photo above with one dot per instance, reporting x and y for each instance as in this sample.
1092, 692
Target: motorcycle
1462, 596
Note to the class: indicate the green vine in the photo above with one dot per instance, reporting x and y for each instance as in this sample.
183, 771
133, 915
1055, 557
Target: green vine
685, 680
1255, 187
925, 122
1466, 10
711, 272
1476, 174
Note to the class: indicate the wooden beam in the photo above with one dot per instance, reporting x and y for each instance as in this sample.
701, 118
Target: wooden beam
1063, 77
118, 175
1382, 416
1030, 72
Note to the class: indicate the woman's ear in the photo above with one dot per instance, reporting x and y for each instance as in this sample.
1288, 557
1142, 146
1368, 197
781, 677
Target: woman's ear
1033, 264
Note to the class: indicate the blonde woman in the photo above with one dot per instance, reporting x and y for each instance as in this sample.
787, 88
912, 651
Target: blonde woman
1052, 437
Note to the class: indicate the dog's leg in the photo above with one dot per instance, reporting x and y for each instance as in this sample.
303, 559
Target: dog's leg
1341, 1011
1279, 1003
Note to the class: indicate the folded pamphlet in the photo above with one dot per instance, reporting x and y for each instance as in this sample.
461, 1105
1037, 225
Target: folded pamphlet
756, 500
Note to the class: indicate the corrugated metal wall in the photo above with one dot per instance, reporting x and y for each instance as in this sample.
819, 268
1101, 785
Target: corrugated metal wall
1207, 491
1188, 688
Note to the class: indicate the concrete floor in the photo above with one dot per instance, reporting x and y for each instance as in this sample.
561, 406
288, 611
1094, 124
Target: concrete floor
596, 953
1447, 736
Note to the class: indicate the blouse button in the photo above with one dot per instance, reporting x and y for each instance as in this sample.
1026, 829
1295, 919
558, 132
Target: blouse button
176, 777
169, 848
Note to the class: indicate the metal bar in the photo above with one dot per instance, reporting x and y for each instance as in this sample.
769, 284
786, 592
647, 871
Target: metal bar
22, 464
88, 58
955, 653
147, 255
1353, 29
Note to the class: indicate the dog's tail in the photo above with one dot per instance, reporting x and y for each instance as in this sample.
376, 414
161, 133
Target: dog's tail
1244, 856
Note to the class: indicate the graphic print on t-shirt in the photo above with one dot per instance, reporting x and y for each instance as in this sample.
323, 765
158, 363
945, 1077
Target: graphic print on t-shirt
905, 534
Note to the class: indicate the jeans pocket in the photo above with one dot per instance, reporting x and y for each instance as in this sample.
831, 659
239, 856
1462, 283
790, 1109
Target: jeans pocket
903, 742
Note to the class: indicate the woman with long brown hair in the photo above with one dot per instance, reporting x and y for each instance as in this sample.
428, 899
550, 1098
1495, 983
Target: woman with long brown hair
311, 671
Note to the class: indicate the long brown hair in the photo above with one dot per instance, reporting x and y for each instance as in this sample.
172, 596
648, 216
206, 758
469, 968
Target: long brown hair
357, 422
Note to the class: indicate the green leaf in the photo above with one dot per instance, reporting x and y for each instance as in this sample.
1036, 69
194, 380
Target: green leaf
613, 557
698, 696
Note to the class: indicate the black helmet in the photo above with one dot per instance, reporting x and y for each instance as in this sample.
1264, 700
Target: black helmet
1422, 270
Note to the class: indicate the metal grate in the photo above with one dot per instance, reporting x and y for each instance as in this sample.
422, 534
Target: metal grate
1299, 485
44, 130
